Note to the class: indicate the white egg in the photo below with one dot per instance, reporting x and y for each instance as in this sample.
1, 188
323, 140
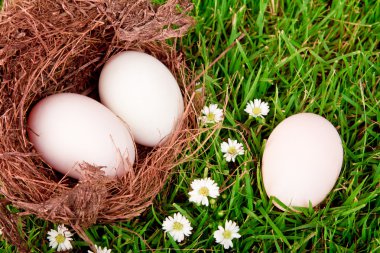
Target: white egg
68, 129
302, 160
144, 93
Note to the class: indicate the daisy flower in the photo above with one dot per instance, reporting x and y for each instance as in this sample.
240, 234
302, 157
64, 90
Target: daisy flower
202, 189
177, 226
232, 149
212, 114
224, 235
60, 238
257, 108
100, 250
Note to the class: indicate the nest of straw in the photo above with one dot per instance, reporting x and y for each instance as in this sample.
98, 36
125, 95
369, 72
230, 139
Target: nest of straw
53, 46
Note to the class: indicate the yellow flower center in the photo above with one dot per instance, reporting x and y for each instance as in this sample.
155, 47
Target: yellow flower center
227, 234
177, 226
256, 111
211, 116
232, 150
204, 191
60, 238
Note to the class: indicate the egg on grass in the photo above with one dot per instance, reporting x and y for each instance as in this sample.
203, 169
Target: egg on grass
302, 160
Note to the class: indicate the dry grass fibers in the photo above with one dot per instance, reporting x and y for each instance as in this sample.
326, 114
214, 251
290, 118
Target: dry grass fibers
53, 46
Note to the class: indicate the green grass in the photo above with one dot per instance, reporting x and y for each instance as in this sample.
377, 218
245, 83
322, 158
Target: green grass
300, 56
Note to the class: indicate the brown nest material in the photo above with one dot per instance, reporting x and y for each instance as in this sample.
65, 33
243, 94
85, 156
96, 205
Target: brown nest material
53, 46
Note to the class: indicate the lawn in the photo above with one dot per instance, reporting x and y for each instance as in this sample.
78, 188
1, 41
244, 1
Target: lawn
299, 56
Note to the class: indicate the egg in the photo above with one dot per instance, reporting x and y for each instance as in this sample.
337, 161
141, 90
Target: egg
69, 129
144, 93
302, 160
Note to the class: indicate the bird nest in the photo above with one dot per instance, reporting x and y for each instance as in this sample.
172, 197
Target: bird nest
52, 46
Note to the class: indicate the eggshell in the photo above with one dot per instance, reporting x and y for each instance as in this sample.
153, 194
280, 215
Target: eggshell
68, 129
302, 160
144, 93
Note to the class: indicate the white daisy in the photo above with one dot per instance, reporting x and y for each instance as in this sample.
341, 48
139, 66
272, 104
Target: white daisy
212, 114
100, 250
177, 226
257, 108
60, 238
232, 149
202, 189
225, 235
